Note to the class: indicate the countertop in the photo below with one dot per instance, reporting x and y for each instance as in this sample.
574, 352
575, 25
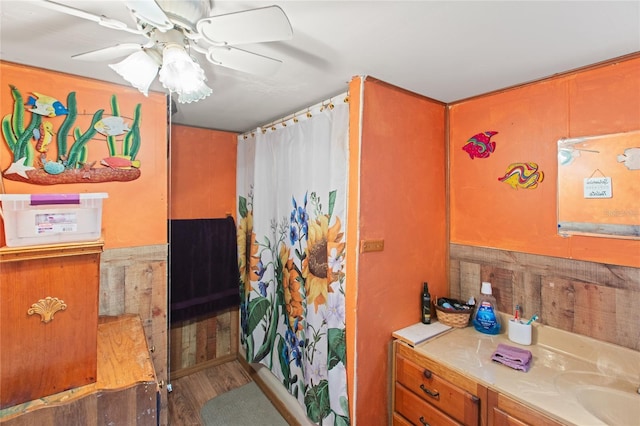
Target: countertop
563, 365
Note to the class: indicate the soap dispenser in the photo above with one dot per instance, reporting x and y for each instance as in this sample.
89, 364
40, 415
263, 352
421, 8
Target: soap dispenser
486, 318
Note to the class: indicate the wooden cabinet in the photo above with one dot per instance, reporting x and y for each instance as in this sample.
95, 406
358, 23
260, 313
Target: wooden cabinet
426, 393
48, 319
125, 391
505, 411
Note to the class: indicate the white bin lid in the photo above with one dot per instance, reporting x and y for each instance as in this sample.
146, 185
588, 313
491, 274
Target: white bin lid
27, 197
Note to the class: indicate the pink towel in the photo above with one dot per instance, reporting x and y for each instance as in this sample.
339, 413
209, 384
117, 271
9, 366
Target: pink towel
516, 358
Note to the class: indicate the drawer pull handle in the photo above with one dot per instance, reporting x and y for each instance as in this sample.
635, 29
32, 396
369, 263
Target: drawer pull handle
423, 421
47, 308
432, 394
426, 374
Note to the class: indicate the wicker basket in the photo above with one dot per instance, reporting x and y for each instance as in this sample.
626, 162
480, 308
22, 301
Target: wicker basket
453, 317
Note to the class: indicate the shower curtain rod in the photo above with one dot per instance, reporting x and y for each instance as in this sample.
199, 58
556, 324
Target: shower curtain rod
327, 103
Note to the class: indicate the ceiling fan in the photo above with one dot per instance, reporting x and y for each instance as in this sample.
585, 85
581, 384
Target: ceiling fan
174, 30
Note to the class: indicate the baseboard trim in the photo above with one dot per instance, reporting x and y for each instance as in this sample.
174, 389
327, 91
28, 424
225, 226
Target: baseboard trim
201, 366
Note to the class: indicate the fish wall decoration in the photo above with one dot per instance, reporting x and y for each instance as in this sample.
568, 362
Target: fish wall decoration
66, 147
45, 105
630, 158
522, 175
480, 145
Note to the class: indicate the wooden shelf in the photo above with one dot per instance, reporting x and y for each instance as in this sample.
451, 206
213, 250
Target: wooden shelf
14, 254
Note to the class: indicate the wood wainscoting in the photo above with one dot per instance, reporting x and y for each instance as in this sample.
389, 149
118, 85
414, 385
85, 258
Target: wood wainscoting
133, 280
204, 341
593, 299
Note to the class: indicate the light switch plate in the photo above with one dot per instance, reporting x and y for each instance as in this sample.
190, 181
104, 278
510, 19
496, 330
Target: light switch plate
371, 245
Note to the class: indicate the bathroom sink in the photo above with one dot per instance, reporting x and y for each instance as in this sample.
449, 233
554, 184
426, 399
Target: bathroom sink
569, 381
611, 406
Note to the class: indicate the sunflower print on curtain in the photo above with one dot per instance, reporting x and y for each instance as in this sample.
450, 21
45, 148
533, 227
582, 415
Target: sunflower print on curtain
291, 240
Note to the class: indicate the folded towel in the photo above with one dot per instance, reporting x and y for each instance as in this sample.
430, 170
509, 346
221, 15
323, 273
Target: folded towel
516, 358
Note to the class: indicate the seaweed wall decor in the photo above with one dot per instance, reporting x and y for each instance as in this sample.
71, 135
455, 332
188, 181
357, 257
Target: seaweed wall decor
34, 161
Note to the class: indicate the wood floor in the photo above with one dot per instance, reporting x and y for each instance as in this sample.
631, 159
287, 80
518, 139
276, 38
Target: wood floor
191, 392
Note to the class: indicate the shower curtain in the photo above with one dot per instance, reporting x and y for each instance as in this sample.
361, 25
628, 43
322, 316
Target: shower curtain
292, 181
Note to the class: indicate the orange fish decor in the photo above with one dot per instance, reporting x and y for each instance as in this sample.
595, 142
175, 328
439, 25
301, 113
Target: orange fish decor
522, 175
480, 145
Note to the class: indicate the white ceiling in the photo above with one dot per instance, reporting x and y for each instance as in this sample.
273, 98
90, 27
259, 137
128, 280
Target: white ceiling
446, 50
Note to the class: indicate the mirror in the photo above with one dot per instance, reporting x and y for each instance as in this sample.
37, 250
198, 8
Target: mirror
599, 186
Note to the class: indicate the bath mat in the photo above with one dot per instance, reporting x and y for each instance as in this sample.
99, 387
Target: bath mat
243, 406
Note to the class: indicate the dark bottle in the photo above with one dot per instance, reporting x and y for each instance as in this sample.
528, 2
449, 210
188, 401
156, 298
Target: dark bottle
426, 305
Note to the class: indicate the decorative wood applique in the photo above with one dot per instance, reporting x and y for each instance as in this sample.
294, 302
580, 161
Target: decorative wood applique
103, 149
47, 308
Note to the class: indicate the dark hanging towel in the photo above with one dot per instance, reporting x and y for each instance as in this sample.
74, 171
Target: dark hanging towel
204, 267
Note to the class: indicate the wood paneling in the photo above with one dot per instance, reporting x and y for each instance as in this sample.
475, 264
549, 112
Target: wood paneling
204, 341
133, 280
593, 299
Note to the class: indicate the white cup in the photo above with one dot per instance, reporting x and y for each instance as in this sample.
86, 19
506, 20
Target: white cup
520, 332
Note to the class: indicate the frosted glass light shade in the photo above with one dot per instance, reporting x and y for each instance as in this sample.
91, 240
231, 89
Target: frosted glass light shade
179, 72
199, 92
182, 75
139, 69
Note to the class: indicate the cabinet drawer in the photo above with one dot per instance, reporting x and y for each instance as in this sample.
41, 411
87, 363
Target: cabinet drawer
418, 411
398, 420
504, 411
456, 402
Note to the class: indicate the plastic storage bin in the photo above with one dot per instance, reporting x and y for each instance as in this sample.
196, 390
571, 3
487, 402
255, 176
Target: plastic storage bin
36, 219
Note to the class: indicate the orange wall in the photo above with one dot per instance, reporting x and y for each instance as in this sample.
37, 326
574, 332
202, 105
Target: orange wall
135, 213
530, 120
400, 199
203, 173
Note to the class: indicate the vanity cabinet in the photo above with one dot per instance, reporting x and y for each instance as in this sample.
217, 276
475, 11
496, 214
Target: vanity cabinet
426, 393
505, 411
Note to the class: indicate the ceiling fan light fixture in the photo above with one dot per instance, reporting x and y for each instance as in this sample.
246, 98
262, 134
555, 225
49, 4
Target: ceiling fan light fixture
139, 69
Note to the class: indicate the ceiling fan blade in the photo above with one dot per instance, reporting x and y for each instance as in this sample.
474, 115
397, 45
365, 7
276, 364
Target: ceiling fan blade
109, 53
101, 20
242, 60
249, 26
149, 11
